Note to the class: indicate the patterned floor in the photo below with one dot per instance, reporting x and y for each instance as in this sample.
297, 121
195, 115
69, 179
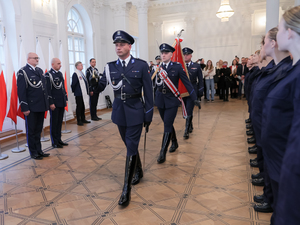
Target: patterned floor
206, 181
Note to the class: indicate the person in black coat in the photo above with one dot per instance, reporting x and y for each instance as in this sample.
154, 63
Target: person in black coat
58, 98
242, 70
34, 101
225, 80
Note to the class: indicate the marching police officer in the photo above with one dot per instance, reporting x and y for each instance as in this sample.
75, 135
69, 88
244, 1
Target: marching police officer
196, 78
34, 101
128, 76
166, 101
158, 61
58, 98
93, 76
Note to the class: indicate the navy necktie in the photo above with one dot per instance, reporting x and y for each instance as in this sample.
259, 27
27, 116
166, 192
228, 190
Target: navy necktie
124, 64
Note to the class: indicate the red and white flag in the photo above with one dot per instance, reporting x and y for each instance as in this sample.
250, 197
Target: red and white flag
3, 98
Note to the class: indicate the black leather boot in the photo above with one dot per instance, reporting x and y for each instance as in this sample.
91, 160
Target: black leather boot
174, 145
188, 121
129, 171
191, 125
164, 147
138, 171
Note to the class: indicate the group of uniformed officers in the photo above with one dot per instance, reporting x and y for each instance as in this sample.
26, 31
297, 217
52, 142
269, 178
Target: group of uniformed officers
273, 95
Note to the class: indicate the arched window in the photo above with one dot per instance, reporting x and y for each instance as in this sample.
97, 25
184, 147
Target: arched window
76, 40
1, 43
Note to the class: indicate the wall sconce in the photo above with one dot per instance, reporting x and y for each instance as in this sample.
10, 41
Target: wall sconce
173, 30
45, 1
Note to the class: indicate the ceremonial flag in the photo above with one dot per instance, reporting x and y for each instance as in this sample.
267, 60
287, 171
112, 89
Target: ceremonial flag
3, 98
22, 62
178, 57
12, 113
63, 70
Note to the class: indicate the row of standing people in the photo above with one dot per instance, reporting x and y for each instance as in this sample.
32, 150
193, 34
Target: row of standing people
273, 95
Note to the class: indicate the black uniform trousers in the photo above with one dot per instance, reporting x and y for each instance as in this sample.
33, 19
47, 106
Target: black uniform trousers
56, 119
80, 109
93, 104
168, 116
189, 105
131, 137
34, 127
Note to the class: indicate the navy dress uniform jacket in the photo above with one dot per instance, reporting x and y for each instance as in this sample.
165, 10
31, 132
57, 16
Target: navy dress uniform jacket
196, 78
58, 97
168, 100
130, 111
277, 115
75, 85
89, 73
30, 97
289, 192
253, 75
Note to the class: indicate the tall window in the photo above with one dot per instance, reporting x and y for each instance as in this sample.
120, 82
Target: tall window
134, 48
76, 40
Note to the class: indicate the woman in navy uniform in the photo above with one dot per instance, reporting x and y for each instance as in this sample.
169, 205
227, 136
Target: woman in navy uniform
58, 97
128, 76
165, 100
287, 209
196, 79
277, 115
34, 101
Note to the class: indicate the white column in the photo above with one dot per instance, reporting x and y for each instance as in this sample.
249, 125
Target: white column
120, 11
297, 2
246, 39
27, 26
272, 14
142, 10
189, 33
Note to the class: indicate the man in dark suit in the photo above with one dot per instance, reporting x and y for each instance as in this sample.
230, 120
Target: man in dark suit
166, 102
80, 89
34, 101
58, 98
128, 76
92, 75
242, 70
196, 78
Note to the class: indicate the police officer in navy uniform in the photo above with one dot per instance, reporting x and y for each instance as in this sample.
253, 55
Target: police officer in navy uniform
196, 78
34, 101
128, 76
92, 75
166, 101
158, 61
58, 97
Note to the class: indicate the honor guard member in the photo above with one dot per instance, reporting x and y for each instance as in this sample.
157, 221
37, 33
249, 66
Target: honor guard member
93, 76
128, 76
34, 101
196, 78
58, 101
166, 102
80, 89
158, 61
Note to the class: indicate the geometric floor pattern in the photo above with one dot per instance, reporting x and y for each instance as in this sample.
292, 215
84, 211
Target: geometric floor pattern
206, 181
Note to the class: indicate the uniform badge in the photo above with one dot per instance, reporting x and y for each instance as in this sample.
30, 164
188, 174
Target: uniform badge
118, 33
113, 82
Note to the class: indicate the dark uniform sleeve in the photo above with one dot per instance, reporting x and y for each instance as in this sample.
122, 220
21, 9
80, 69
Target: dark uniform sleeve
88, 74
148, 94
200, 83
186, 82
102, 83
21, 86
64, 88
48, 83
74, 81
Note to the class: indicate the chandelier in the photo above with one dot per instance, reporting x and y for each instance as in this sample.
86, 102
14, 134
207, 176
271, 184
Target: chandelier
225, 11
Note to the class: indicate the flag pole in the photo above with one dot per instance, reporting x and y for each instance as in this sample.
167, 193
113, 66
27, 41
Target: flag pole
2, 156
43, 138
17, 149
66, 131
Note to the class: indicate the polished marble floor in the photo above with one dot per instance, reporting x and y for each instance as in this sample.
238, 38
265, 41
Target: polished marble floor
206, 181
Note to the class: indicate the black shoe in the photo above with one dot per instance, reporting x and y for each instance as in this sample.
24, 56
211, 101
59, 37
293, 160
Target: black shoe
80, 123
42, 154
252, 147
174, 144
37, 157
86, 121
263, 207
256, 176
138, 171
249, 132
99, 118
129, 171
249, 126
252, 150
258, 182
259, 198
251, 140
95, 119
57, 146
164, 147
187, 127
254, 164
252, 160
191, 128
248, 120
63, 143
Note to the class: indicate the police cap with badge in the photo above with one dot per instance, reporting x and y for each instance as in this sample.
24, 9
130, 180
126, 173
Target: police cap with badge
157, 57
166, 48
121, 36
187, 51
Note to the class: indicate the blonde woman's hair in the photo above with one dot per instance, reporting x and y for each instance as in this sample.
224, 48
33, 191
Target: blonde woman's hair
292, 19
273, 33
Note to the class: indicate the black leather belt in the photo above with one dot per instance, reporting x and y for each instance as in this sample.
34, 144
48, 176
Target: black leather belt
124, 96
164, 90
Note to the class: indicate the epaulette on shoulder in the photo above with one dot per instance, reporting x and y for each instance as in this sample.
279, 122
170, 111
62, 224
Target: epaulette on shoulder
141, 60
112, 62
